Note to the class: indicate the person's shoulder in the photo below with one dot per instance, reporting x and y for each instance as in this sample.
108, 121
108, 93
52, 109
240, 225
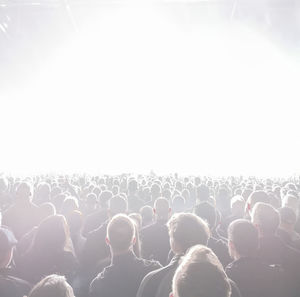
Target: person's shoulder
149, 263
14, 285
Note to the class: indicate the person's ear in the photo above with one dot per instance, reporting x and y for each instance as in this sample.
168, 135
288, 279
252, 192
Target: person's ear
154, 210
171, 294
170, 209
107, 241
134, 241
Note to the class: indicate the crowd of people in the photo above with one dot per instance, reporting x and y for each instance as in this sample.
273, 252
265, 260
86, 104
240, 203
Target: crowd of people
149, 236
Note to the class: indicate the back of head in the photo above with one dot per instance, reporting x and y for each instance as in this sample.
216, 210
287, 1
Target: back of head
207, 212
120, 233
200, 275
186, 230
161, 208
52, 286
266, 217
116, 205
104, 198
178, 203
24, 192
147, 214
287, 216
255, 197
203, 193
243, 235
290, 201
52, 235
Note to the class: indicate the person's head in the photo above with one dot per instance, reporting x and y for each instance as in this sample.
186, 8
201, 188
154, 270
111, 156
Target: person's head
255, 197
46, 209
147, 215
52, 286
290, 201
75, 222
203, 193
186, 230
137, 218
42, 193
200, 274
178, 203
132, 186
155, 191
161, 209
288, 219
7, 243
207, 212
120, 234
242, 239
116, 205
52, 235
104, 198
70, 204
237, 205
266, 218
24, 192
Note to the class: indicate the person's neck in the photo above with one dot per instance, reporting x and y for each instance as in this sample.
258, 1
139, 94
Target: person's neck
120, 253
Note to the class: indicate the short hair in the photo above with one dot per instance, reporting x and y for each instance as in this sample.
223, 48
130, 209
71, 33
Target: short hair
287, 215
207, 212
24, 190
146, 213
104, 198
200, 274
266, 217
52, 286
178, 203
117, 204
187, 229
290, 201
255, 197
162, 207
120, 232
244, 237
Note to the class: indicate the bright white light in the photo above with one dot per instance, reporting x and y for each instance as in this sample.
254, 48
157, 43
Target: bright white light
137, 91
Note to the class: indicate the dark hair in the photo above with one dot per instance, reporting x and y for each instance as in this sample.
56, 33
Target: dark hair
207, 212
244, 237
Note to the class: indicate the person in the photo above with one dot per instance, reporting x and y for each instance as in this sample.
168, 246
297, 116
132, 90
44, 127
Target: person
52, 286
255, 197
147, 215
95, 255
200, 274
253, 277
51, 252
95, 220
178, 204
123, 276
22, 216
10, 285
185, 230
134, 201
271, 249
155, 237
286, 230
207, 212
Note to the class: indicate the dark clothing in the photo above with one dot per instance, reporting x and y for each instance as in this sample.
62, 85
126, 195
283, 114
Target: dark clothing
94, 221
21, 218
135, 203
11, 286
288, 240
158, 283
273, 251
123, 277
220, 248
34, 266
257, 279
155, 242
95, 249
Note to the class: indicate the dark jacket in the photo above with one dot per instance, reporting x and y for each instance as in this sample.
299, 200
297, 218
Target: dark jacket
273, 251
155, 242
11, 286
257, 279
158, 283
123, 277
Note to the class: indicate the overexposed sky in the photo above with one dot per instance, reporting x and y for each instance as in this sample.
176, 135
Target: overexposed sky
135, 91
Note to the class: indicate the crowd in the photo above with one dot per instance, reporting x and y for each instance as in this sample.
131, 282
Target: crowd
149, 236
